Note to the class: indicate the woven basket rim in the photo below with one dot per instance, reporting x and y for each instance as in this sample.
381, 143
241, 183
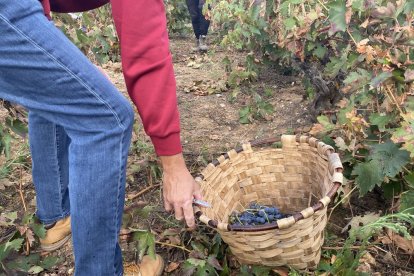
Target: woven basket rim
322, 203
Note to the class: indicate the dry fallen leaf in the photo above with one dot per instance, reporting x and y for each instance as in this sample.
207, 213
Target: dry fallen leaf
333, 259
340, 143
282, 271
214, 137
366, 263
30, 237
359, 221
171, 267
316, 129
399, 241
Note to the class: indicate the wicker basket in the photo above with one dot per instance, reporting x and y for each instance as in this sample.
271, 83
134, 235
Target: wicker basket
300, 178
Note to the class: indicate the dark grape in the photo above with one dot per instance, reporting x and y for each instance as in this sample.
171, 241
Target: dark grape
256, 214
261, 220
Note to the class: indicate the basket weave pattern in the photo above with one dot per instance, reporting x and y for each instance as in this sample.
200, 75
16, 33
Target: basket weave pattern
299, 178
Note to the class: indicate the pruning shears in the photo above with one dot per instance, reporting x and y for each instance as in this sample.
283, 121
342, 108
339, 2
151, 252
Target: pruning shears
202, 203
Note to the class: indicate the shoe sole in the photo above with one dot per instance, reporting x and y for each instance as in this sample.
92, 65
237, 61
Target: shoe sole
56, 245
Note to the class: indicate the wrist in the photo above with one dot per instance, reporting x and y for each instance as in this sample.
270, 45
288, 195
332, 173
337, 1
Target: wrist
173, 163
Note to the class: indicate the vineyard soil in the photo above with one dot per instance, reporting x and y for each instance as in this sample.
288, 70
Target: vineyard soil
210, 126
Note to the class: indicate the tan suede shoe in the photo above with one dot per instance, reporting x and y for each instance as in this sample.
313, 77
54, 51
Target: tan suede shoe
147, 267
56, 236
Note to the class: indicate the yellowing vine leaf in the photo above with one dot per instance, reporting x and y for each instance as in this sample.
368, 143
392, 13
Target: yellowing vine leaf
337, 10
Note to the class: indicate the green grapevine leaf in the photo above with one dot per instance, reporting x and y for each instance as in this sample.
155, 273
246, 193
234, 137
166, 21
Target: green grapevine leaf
378, 80
409, 7
391, 189
5, 144
407, 201
358, 79
146, 243
49, 262
144, 212
260, 271
244, 115
10, 216
198, 246
390, 158
245, 271
325, 122
17, 127
38, 229
320, 51
337, 16
290, 23
368, 175
205, 271
342, 119
196, 262
405, 134
35, 269
188, 269
358, 5
410, 179
380, 120
6, 248
335, 65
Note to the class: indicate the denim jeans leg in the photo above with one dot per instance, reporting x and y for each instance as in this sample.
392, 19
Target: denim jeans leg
43, 71
49, 146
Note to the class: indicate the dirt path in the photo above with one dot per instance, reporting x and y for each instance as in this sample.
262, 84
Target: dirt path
210, 126
210, 123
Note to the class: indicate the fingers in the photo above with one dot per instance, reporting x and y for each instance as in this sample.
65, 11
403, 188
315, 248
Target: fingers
167, 205
185, 211
178, 197
197, 195
197, 191
189, 215
178, 210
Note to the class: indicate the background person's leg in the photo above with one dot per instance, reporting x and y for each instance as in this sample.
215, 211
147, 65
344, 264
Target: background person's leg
194, 11
49, 146
41, 70
204, 23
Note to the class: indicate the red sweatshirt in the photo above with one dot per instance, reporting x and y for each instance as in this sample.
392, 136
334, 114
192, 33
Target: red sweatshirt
146, 61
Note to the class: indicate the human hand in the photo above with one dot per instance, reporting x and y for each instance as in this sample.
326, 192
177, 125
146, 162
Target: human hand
180, 188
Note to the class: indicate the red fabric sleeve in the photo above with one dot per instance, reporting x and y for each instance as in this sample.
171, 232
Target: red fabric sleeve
46, 8
148, 69
76, 5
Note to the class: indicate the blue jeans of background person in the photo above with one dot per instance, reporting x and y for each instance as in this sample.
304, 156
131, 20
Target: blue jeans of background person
79, 130
199, 22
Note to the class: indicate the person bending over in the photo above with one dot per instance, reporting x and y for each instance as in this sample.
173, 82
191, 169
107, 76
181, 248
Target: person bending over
80, 125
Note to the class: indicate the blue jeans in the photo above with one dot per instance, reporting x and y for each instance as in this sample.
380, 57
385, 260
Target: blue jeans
79, 130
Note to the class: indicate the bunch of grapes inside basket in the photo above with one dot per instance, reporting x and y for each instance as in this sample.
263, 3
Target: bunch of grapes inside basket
256, 214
